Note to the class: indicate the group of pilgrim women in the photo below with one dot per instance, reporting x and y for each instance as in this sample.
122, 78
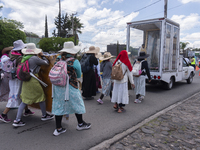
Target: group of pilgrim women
21, 94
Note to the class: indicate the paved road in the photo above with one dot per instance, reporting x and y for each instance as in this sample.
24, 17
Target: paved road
106, 122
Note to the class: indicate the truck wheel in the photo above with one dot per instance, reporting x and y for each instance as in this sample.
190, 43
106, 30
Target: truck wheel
190, 79
168, 86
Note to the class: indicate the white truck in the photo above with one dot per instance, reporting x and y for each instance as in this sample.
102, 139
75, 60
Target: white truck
161, 39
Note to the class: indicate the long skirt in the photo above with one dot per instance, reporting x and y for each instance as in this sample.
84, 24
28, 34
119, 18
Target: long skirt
140, 85
106, 88
89, 84
32, 92
14, 94
4, 89
120, 93
60, 106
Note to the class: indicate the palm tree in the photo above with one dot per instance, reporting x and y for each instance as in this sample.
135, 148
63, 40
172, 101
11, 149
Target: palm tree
183, 45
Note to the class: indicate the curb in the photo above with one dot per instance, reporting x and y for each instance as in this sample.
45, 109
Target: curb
109, 142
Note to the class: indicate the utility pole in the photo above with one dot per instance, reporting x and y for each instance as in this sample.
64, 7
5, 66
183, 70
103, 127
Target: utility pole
165, 9
59, 20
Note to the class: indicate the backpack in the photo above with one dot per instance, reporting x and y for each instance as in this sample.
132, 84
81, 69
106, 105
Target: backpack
9, 69
117, 73
23, 72
58, 73
137, 71
85, 63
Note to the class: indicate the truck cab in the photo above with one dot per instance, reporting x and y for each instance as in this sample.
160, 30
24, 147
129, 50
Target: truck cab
161, 39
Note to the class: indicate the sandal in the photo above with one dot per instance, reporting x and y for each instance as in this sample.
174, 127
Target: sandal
115, 106
120, 110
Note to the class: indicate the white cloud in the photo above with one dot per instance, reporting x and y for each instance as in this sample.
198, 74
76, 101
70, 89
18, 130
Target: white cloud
187, 22
104, 2
187, 1
117, 1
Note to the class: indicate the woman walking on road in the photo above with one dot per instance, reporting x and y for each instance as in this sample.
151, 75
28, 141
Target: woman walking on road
120, 87
140, 81
106, 68
14, 83
75, 104
89, 79
32, 91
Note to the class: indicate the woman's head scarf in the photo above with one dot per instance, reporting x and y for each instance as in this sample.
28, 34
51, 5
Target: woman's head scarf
123, 57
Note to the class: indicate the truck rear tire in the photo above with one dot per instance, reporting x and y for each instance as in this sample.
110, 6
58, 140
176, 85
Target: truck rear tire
168, 86
190, 79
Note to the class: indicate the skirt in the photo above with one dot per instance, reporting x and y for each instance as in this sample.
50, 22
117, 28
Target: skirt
75, 103
120, 93
140, 85
32, 92
14, 94
106, 88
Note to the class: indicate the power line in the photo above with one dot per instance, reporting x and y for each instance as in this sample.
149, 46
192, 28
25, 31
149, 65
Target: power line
131, 12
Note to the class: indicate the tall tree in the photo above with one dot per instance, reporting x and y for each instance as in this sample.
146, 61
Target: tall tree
67, 23
46, 27
183, 45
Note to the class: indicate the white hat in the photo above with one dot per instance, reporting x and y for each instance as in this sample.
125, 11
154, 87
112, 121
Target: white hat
93, 49
106, 56
31, 49
18, 45
98, 55
69, 47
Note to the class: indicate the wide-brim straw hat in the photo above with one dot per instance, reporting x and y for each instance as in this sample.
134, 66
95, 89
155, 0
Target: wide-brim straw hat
18, 45
106, 56
98, 55
142, 55
31, 49
93, 49
69, 47
6, 49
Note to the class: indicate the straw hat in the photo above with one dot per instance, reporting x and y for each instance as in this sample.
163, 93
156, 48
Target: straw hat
98, 55
6, 49
93, 49
18, 45
31, 49
69, 47
106, 56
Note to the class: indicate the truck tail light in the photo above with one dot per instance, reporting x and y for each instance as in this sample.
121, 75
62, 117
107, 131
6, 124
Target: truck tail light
154, 77
158, 77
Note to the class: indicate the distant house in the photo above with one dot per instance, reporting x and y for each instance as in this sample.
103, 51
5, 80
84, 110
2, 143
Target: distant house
112, 48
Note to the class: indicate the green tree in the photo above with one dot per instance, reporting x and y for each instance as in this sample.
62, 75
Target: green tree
53, 44
67, 23
9, 32
183, 45
46, 27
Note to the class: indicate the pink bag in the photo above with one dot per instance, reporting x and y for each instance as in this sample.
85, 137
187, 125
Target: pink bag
58, 73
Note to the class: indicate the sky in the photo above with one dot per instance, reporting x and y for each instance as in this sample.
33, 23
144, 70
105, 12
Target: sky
105, 21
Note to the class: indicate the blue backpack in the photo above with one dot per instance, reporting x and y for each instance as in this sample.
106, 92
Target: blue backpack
85, 63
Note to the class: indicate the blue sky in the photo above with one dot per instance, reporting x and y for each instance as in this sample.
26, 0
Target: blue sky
105, 20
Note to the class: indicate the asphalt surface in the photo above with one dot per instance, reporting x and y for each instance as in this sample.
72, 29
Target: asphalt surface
106, 122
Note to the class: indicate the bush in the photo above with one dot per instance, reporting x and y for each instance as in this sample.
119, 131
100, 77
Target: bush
53, 43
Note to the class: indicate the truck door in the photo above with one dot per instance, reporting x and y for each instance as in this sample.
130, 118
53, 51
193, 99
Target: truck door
186, 72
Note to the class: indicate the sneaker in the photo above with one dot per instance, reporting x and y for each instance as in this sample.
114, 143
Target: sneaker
100, 101
28, 113
18, 123
47, 117
5, 119
84, 126
141, 98
137, 101
58, 132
